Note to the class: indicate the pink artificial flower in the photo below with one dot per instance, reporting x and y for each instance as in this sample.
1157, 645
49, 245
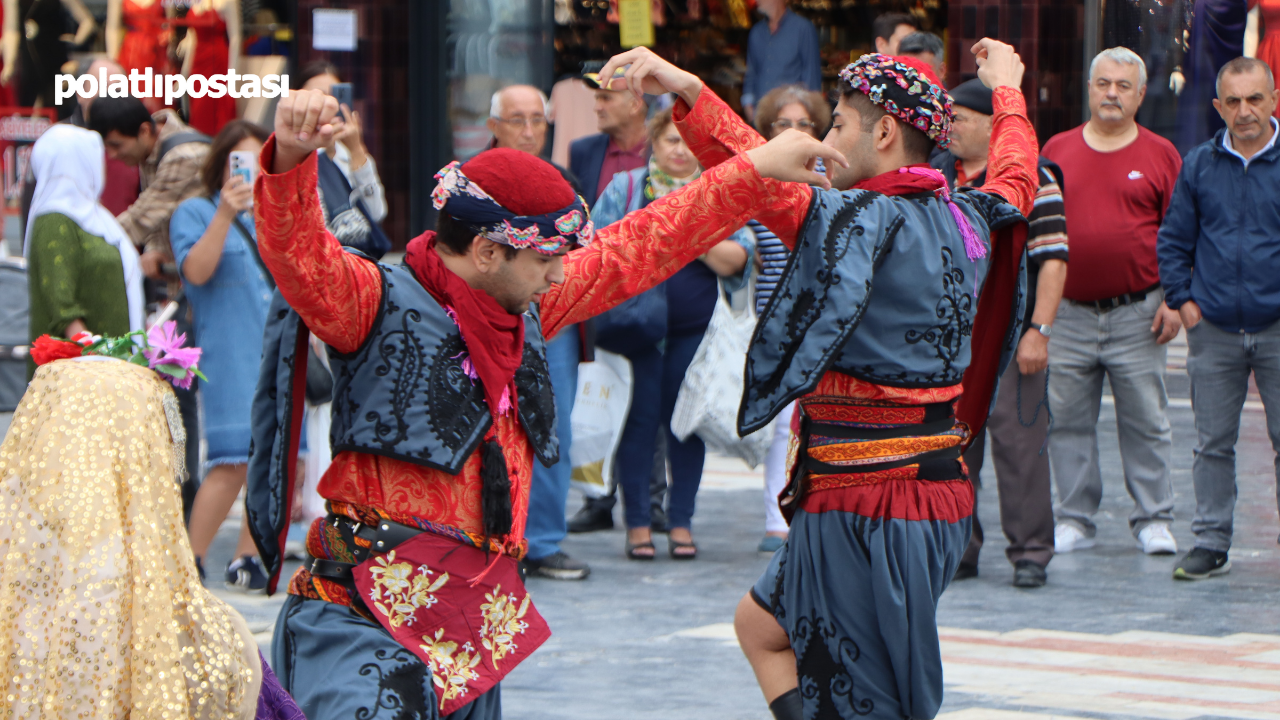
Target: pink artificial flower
166, 348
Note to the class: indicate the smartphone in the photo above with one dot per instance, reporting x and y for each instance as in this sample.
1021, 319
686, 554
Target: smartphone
245, 164
343, 93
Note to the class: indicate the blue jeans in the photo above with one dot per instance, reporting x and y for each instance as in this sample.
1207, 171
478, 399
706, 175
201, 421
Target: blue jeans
657, 380
1219, 363
549, 490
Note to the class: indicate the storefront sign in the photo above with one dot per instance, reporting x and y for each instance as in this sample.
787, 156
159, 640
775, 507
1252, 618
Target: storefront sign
333, 29
634, 24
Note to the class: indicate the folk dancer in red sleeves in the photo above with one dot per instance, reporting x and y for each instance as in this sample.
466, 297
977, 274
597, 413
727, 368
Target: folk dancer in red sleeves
899, 309
441, 405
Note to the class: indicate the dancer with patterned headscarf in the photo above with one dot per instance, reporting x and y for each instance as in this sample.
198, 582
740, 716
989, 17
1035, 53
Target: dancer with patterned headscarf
891, 323
441, 404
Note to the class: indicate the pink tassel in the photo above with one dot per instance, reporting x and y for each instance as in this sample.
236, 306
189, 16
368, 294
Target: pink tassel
504, 403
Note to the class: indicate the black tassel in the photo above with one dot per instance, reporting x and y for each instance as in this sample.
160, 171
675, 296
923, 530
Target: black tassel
495, 490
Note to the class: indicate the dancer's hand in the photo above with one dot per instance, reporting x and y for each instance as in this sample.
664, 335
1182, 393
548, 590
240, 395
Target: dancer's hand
304, 122
649, 73
998, 64
791, 157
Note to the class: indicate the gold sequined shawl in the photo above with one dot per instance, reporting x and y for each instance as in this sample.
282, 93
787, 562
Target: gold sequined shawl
102, 614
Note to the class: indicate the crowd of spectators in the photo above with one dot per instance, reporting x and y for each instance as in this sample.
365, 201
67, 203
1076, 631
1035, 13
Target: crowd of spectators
1155, 245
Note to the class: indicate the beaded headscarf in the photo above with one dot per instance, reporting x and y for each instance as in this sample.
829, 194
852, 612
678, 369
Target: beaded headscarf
904, 88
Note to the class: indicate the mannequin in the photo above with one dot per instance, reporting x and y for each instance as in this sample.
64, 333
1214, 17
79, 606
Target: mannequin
212, 46
1213, 34
138, 38
31, 45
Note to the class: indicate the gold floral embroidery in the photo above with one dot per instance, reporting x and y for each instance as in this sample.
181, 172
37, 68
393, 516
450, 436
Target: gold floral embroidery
502, 623
451, 668
399, 589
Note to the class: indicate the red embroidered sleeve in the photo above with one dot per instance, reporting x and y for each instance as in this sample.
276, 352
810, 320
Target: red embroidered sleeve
336, 293
715, 133
1011, 159
650, 245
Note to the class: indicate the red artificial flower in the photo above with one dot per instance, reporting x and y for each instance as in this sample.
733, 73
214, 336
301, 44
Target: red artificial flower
46, 349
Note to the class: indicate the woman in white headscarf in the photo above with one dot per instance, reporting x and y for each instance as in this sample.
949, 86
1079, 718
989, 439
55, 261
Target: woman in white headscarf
82, 269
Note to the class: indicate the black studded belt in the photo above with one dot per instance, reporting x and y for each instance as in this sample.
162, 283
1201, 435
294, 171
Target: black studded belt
383, 537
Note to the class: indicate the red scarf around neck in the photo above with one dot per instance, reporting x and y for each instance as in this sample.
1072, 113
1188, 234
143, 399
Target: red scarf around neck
899, 183
494, 338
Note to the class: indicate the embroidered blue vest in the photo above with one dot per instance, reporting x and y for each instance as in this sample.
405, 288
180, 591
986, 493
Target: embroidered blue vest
404, 394
879, 288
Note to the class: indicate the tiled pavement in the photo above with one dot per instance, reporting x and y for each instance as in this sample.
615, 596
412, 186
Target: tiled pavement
1111, 637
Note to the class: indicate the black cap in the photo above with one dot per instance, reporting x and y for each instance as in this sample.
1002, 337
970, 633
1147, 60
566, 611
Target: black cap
972, 94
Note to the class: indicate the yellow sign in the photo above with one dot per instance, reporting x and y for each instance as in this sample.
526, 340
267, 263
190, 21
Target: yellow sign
634, 23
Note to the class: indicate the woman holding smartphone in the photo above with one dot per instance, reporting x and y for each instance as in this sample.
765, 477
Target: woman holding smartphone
216, 252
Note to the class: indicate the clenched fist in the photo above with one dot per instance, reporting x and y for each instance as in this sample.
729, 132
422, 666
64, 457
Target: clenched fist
304, 122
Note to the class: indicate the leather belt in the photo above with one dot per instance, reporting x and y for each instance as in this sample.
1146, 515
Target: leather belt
932, 460
383, 537
1107, 304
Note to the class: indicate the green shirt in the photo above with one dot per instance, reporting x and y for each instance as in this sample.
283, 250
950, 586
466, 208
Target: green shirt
72, 274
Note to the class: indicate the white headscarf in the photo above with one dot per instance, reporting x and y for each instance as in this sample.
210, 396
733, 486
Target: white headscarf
68, 163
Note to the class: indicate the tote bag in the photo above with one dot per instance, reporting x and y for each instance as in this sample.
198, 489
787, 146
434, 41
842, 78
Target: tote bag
712, 389
599, 413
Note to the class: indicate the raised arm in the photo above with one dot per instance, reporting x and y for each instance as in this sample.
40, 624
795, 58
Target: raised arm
1012, 156
649, 245
1014, 152
336, 293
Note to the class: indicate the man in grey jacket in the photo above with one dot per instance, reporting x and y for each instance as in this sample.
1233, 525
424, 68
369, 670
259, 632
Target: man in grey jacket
1219, 252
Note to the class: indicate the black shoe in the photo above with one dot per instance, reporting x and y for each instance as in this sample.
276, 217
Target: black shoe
246, 574
1028, 574
557, 566
593, 516
965, 571
1201, 563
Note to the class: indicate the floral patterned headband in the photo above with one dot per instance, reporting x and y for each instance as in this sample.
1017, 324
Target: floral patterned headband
904, 92
159, 348
548, 234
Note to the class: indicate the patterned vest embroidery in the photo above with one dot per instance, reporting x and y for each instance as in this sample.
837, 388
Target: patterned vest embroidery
878, 288
405, 393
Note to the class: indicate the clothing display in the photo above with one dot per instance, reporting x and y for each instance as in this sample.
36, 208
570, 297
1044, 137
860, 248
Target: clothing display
1215, 36
454, 465
41, 53
209, 114
877, 489
146, 41
1269, 44
93, 551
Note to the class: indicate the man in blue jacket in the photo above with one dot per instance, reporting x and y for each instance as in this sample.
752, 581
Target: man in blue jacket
1219, 253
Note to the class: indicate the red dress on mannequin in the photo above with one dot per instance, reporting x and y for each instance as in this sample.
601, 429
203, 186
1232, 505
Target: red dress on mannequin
208, 115
1269, 44
146, 42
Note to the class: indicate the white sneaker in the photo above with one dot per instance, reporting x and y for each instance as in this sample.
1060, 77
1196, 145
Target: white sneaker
1068, 537
1157, 540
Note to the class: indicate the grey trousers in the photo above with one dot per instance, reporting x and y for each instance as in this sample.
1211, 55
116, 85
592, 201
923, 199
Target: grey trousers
1022, 471
1088, 345
1219, 363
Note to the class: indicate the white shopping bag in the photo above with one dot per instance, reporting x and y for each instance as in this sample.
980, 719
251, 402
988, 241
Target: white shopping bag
712, 389
599, 413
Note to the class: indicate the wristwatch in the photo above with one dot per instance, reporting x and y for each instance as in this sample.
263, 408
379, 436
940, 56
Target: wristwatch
1045, 330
